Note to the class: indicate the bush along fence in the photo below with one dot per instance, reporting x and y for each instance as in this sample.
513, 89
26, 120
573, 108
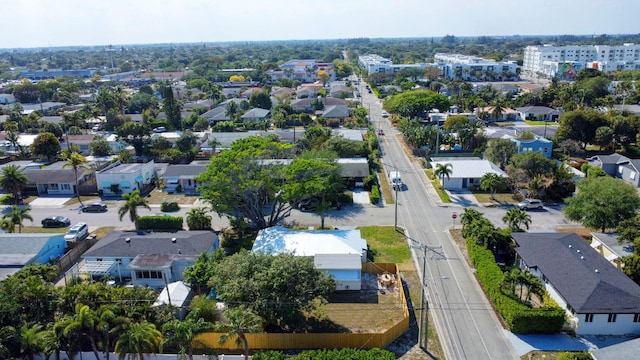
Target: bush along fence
519, 318
160, 223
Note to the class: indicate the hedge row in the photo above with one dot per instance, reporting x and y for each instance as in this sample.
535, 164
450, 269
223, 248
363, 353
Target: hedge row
375, 195
328, 354
166, 223
519, 318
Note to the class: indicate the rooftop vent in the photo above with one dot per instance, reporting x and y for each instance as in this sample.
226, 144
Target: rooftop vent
127, 240
582, 257
578, 251
570, 246
173, 240
597, 270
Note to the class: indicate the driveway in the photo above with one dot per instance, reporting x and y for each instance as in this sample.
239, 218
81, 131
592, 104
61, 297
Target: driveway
360, 196
561, 342
50, 201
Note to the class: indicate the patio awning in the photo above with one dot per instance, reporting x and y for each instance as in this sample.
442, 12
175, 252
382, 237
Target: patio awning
97, 268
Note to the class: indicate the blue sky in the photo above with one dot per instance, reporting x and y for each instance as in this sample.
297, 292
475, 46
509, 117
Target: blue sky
43, 23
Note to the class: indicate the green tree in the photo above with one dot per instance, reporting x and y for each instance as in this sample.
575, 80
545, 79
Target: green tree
201, 124
53, 128
443, 170
17, 215
260, 99
492, 182
517, 218
199, 274
182, 334
532, 164
99, 146
237, 185
415, 103
280, 289
31, 340
82, 325
170, 106
13, 180
238, 322
137, 339
132, 202
46, 144
604, 136
197, 219
76, 161
186, 142
135, 134
602, 203
500, 151
231, 110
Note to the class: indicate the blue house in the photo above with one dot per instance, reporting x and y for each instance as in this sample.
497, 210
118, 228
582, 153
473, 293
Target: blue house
339, 253
20, 250
538, 143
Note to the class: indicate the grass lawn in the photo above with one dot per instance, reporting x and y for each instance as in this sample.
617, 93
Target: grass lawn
386, 245
539, 123
158, 197
85, 200
385, 187
100, 232
502, 198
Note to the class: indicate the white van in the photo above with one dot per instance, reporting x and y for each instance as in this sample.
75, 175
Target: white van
78, 232
395, 180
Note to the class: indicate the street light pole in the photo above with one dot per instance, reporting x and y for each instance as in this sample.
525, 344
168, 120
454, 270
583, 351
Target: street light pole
395, 226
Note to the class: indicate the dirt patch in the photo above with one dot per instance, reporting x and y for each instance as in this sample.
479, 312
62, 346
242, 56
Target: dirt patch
456, 234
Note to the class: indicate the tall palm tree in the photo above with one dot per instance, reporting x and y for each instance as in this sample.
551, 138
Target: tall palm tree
13, 180
491, 182
517, 218
82, 325
231, 110
76, 161
468, 216
131, 204
17, 215
31, 340
442, 171
240, 321
139, 338
182, 334
498, 109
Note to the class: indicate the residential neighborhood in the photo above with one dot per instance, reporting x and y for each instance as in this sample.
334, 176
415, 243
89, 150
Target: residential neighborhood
256, 203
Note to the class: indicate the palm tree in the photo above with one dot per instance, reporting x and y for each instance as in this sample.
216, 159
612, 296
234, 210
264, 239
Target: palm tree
183, 334
231, 110
132, 202
76, 161
491, 182
516, 218
214, 143
17, 215
498, 109
240, 321
137, 339
442, 171
31, 340
82, 325
197, 219
13, 180
468, 216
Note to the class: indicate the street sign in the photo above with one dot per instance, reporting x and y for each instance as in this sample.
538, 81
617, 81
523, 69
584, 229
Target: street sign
454, 215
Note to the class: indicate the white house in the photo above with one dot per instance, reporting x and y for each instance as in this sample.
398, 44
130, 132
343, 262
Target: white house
599, 299
339, 253
607, 245
127, 177
184, 176
466, 172
147, 259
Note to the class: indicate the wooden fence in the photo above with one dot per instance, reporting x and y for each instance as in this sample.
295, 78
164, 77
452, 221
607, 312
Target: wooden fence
273, 341
68, 259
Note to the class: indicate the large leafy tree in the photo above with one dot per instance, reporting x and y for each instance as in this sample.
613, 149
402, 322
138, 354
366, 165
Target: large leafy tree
238, 185
532, 164
135, 134
602, 203
260, 100
500, 151
13, 180
131, 204
580, 125
99, 146
46, 144
415, 103
17, 215
280, 289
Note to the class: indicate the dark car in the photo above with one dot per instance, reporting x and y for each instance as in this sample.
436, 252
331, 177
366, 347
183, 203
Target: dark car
312, 204
95, 207
55, 221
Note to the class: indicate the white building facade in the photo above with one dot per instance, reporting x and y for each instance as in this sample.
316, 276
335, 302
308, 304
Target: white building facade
374, 63
563, 61
473, 68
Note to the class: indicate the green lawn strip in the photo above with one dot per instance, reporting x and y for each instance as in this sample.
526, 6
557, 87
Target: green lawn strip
485, 198
385, 188
387, 245
158, 197
85, 200
539, 123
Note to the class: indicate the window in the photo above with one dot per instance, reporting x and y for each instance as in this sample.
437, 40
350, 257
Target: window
146, 274
636, 318
53, 186
632, 175
612, 318
66, 187
588, 317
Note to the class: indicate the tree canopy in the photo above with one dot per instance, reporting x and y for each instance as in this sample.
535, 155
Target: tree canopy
415, 103
602, 203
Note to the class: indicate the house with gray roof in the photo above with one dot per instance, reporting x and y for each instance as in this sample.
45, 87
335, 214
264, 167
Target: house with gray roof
466, 172
304, 105
339, 112
255, 115
148, 259
20, 250
619, 166
538, 113
183, 176
608, 246
599, 299
56, 179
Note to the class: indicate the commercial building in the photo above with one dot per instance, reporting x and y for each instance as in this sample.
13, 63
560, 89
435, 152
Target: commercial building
374, 63
565, 61
473, 68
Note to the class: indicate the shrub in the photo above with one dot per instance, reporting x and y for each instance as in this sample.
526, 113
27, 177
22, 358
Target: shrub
574, 356
346, 198
375, 195
169, 206
157, 223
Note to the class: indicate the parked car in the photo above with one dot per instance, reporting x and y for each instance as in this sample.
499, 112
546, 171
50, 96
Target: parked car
78, 232
312, 203
95, 207
385, 114
380, 132
530, 204
55, 221
159, 129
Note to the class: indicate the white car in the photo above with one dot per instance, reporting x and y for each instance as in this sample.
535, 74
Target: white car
385, 114
530, 204
78, 232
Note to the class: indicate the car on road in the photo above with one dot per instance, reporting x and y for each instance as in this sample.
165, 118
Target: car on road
159, 129
55, 221
95, 207
78, 232
529, 204
380, 132
385, 114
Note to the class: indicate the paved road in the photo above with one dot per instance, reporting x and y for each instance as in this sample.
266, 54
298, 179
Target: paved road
466, 323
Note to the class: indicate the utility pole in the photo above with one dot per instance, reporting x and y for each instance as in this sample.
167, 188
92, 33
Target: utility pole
423, 323
395, 226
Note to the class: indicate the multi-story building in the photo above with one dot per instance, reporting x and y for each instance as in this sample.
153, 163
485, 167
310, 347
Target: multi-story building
374, 63
473, 68
565, 61
305, 71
